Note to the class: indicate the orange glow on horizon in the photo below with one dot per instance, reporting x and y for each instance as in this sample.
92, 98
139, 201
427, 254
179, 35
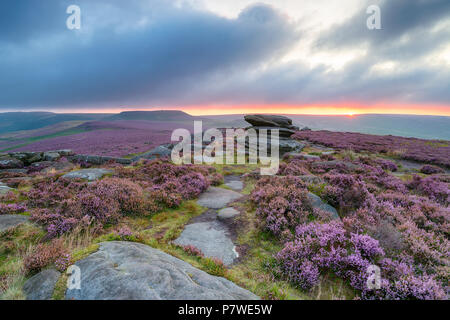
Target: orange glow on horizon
347, 109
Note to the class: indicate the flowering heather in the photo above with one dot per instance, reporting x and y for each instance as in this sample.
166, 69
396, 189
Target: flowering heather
193, 251
430, 151
12, 208
125, 233
116, 138
62, 205
428, 169
43, 255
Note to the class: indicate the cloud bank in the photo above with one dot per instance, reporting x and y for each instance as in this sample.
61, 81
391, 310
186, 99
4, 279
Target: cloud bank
173, 53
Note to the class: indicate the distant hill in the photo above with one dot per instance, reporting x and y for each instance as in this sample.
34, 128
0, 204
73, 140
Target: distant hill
18, 121
159, 115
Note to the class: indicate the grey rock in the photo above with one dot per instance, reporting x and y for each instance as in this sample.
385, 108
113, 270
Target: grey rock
51, 156
134, 271
161, 151
217, 198
41, 285
65, 152
212, 240
235, 185
305, 129
4, 189
7, 162
14, 171
266, 120
89, 174
227, 213
98, 160
289, 145
59, 166
8, 221
310, 157
319, 204
282, 132
27, 157
310, 178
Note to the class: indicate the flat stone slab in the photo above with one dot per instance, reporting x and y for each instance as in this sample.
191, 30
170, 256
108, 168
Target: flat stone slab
319, 204
89, 174
235, 185
211, 238
217, 198
41, 285
4, 188
8, 221
133, 271
227, 213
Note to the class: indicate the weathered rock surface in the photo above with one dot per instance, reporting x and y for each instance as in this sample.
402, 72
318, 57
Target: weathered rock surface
41, 285
98, 160
51, 156
319, 204
89, 174
161, 151
227, 213
8, 221
282, 132
234, 182
211, 238
7, 162
217, 198
265, 120
4, 188
133, 271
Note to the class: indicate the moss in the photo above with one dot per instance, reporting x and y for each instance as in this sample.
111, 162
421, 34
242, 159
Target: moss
59, 293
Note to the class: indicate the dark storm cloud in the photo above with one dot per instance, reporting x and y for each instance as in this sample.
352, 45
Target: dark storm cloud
144, 53
128, 63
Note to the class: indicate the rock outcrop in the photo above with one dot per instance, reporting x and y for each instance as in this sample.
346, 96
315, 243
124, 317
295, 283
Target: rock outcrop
88, 174
8, 221
41, 285
133, 271
217, 198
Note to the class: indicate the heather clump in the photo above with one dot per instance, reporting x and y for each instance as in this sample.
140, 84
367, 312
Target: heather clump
282, 203
323, 248
45, 254
12, 208
429, 169
62, 205
431, 187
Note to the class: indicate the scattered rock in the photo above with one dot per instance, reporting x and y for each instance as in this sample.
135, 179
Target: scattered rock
8, 221
305, 129
319, 204
227, 213
310, 178
59, 166
51, 156
98, 160
41, 285
89, 174
4, 189
234, 182
212, 240
134, 271
7, 162
161, 151
217, 198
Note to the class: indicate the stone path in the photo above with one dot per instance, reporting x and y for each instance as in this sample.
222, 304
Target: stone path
209, 233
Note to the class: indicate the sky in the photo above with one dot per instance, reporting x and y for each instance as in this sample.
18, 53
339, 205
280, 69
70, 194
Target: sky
226, 56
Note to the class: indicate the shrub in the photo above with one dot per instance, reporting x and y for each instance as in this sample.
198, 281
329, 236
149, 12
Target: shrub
43, 255
428, 169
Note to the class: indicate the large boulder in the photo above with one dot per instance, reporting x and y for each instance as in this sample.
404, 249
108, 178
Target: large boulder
133, 271
282, 132
211, 238
217, 198
41, 285
51, 156
161, 151
266, 120
88, 174
317, 203
8, 221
